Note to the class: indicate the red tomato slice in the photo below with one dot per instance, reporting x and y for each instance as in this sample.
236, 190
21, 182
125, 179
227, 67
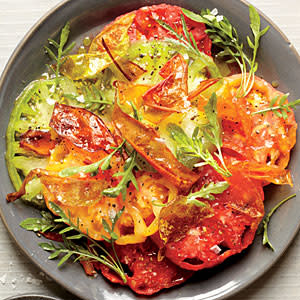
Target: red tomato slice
171, 93
146, 275
237, 213
144, 25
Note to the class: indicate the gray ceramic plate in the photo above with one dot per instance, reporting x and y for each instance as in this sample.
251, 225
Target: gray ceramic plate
278, 61
31, 297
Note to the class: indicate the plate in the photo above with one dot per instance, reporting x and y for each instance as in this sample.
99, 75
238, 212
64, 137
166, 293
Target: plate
31, 297
278, 61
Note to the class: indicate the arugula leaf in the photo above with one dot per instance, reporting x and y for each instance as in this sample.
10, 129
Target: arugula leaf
225, 36
281, 109
127, 176
61, 51
266, 220
92, 168
206, 192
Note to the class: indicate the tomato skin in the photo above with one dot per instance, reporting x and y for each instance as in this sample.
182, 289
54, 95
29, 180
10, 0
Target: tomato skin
237, 214
38, 141
170, 94
147, 275
145, 27
82, 128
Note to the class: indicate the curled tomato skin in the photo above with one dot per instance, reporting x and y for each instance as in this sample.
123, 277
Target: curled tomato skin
231, 228
144, 25
146, 275
82, 128
171, 93
38, 141
148, 144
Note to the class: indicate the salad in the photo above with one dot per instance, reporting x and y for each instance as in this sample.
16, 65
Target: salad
147, 150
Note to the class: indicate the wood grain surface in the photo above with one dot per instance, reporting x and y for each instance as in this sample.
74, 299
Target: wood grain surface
18, 275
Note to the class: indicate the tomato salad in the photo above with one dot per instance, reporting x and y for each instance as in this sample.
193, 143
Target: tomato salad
146, 153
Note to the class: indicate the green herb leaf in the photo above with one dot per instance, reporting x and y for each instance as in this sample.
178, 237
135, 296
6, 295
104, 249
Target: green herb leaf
213, 131
64, 35
207, 191
281, 109
92, 168
225, 36
193, 147
70, 248
266, 220
127, 176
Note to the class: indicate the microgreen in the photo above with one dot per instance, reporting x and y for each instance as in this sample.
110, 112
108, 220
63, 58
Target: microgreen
225, 36
281, 109
61, 51
94, 167
206, 192
266, 220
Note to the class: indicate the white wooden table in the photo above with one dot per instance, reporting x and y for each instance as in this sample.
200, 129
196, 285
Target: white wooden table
18, 275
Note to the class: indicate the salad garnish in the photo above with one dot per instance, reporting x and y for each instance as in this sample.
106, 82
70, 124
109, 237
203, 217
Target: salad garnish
61, 52
225, 36
206, 192
194, 146
280, 108
127, 177
266, 220
73, 243
94, 167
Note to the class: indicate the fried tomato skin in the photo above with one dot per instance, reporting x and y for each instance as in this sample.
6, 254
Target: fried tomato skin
82, 128
37, 141
237, 213
146, 275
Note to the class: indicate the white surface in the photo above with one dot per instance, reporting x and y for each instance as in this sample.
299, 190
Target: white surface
18, 275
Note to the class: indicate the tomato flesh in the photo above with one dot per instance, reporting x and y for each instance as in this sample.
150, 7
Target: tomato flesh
146, 275
237, 214
145, 26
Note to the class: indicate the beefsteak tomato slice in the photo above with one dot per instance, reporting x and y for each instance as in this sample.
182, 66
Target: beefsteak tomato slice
230, 228
146, 275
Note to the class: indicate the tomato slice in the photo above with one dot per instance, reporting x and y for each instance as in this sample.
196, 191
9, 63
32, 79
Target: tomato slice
82, 128
146, 274
237, 213
144, 25
147, 143
264, 138
171, 93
